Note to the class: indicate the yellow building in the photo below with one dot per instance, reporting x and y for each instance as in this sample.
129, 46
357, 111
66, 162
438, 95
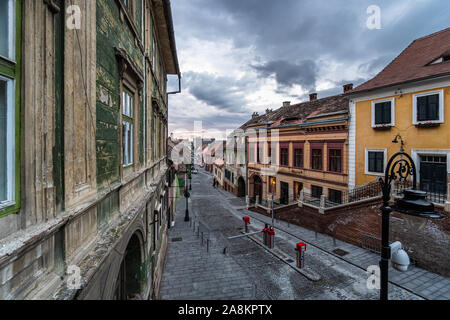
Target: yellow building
408, 102
301, 147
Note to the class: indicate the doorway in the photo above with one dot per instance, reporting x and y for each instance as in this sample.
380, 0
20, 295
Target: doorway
284, 196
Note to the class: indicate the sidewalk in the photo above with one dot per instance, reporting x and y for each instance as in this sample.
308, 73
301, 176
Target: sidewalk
419, 281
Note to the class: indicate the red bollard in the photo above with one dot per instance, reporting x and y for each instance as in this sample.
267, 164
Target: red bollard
301, 248
271, 238
247, 222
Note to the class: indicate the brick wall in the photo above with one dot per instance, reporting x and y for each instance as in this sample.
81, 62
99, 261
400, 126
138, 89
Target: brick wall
429, 246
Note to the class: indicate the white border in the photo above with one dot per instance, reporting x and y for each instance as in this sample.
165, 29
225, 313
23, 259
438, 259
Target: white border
441, 106
366, 162
392, 124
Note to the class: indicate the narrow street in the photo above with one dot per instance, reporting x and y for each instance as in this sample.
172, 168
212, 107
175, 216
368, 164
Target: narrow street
202, 263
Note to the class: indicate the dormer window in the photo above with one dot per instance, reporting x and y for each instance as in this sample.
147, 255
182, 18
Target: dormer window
444, 58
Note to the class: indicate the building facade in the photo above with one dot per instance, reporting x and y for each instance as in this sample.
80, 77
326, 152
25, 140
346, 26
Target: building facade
300, 149
406, 103
84, 211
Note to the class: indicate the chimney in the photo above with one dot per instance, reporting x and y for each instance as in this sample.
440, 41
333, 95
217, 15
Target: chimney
348, 87
268, 111
286, 104
255, 115
313, 97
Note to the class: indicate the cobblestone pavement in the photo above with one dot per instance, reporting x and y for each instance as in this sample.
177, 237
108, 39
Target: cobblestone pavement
203, 264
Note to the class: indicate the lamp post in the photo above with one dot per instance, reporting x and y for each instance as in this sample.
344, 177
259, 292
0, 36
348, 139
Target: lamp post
399, 168
186, 195
190, 177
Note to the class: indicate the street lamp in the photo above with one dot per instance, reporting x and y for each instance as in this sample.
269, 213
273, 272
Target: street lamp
399, 168
186, 195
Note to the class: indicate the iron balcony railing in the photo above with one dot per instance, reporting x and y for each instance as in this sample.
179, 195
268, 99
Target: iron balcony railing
435, 195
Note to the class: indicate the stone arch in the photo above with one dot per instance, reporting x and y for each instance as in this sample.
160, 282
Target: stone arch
129, 284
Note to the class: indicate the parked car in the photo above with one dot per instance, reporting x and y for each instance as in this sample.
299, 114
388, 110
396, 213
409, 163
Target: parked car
194, 171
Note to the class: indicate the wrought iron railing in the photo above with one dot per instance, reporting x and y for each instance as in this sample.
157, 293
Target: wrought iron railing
436, 196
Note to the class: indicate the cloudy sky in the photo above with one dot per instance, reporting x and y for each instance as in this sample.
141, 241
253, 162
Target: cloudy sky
243, 56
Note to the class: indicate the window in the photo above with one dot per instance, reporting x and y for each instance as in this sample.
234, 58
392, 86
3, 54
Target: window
251, 153
129, 5
284, 155
375, 161
383, 113
335, 196
316, 159
9, 115
335, 160
6, 141
428, 107
127, 124
316, 192
7, 30
298, 187
272, 185
298, 158
258, 151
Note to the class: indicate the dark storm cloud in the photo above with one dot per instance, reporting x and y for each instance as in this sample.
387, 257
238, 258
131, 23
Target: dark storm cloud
222, 92
288, 74
294, 41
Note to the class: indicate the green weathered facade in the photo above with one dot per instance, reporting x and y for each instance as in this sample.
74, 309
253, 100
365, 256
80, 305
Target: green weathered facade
92, 163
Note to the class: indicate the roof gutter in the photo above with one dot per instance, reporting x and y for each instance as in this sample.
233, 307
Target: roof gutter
308, 124
173, 46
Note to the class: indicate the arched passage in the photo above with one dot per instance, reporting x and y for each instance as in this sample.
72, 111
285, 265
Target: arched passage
128, 284
241, 187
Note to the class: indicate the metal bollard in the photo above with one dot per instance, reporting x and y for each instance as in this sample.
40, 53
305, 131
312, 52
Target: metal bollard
202, 238
207, 245
301, 248
246, 223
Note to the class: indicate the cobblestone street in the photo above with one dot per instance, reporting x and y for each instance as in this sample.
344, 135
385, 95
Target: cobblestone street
202, 263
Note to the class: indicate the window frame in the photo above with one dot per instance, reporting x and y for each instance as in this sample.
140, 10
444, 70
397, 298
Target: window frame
284, 156
129, 119
321, 158
270, 185
10, 69
382, 125
441, 107
366, 166
300, 184
340, 157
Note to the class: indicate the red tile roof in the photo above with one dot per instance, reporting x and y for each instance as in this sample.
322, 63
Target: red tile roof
298, 113
414, 62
